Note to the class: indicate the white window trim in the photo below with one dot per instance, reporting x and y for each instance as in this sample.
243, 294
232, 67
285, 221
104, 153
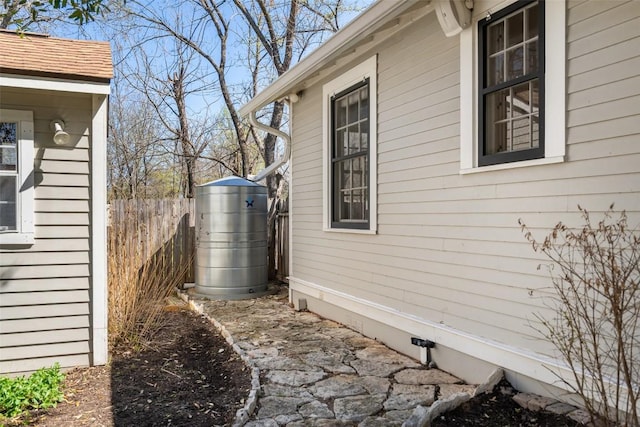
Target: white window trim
364, 70
25, 234
554, 92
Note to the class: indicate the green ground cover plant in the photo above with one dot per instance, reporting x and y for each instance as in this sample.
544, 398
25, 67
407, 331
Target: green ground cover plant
40, 390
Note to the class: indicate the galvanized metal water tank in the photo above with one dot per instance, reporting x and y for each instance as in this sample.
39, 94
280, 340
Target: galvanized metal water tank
231, 239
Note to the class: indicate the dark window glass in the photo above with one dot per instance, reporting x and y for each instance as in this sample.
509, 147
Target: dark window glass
350, 157
512, 82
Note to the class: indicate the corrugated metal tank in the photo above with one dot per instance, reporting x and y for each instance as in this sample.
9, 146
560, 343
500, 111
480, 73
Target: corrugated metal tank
231, 239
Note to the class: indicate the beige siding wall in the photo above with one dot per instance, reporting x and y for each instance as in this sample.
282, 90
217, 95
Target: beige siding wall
448, 247
45, 288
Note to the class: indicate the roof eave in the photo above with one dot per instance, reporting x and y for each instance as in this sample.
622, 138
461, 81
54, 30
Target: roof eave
360, 28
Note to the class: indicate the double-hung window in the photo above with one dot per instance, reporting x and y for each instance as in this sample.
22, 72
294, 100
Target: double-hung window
349, 135
350, 157
513, 86
16, 177
511, 76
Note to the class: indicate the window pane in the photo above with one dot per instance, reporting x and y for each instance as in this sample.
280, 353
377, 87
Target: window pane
344, 178
365, 204
8, 146
521, 138
520, 100
535, 95
8, 159
498, 106
345, 205
364, 103
515, 29
515, 63
353, 108
535, 131
341, 112
497, 138
357, 207
8, 197
496, 70
498, 114
495, 40
8, 133
342, 143
354, 139
364, 135
358, 169
532, 21
532, 57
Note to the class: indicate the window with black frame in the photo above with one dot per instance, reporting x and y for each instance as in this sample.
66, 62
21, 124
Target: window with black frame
511, 75
350, 126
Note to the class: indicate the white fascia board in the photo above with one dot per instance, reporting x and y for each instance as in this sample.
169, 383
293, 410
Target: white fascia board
364, 25
48, 83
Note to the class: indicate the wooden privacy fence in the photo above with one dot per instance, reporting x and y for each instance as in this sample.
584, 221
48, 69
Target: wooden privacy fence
163, 224
169, 224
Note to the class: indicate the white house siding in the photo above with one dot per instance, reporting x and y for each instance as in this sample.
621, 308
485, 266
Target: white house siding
45, 288
448, 247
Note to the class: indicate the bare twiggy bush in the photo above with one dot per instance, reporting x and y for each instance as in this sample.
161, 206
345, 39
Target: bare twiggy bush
139, 283
596, 277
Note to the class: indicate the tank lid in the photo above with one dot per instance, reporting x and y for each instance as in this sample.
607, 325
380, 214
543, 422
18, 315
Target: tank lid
231, 181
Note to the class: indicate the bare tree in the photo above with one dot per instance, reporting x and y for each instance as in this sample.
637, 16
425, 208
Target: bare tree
275, 33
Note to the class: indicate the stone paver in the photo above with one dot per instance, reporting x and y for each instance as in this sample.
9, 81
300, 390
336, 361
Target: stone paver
309, 371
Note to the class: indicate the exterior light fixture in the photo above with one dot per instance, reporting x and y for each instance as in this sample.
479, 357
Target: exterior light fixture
60, 137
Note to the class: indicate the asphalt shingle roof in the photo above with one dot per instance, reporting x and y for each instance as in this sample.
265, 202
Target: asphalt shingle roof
44, 56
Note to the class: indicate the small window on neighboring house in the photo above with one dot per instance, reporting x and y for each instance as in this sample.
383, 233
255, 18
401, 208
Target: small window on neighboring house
511, 76
16, 177
350, 157
349, 150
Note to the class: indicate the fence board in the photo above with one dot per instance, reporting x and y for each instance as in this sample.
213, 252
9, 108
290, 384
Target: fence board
163, 221
159, 223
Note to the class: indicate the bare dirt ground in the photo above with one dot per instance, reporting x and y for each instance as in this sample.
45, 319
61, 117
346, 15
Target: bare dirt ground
191, 377
499, 409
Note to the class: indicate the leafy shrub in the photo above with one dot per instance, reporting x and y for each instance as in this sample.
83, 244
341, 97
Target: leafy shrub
40, 390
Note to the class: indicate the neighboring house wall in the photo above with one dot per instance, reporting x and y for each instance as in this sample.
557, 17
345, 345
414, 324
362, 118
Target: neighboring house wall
448, 249
45, 289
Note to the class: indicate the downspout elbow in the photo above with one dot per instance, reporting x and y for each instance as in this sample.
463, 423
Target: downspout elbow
278, 133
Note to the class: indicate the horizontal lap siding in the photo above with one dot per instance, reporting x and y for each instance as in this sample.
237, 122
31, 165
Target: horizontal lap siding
449, 248
45, 289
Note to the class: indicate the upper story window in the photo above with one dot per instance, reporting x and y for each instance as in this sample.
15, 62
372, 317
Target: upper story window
350, 157
349, 150
511, 77
16, 177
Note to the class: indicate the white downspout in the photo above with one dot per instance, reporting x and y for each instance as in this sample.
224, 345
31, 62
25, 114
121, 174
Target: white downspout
286, 138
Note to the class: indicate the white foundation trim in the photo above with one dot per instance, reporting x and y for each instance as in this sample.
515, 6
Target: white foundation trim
536, 366
99, 300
